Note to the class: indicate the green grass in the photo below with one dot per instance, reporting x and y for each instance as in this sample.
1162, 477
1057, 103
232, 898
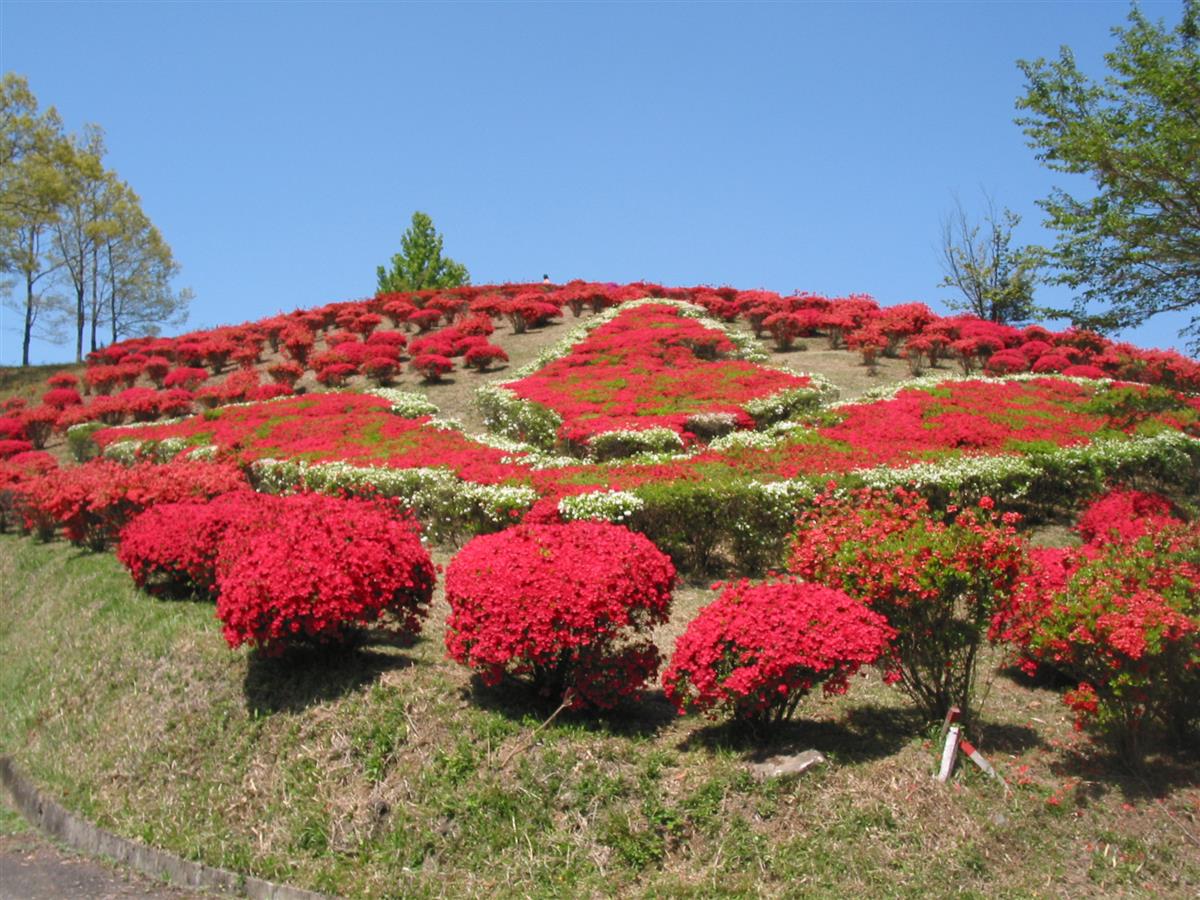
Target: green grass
381, 772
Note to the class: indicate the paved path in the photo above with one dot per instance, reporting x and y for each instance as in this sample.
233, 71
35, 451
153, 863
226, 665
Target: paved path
34, 868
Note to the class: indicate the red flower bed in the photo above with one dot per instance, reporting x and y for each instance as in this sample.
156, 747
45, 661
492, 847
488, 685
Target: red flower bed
648, 367
357, 428
756, 651
324, 567
568, 606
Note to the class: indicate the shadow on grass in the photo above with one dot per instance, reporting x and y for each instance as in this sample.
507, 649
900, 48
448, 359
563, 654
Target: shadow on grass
305, 676
1004, 737
1046, 678
1168, 766
867, 733
516, 700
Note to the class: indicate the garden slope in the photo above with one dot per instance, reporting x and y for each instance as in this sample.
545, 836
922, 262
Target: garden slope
378, 773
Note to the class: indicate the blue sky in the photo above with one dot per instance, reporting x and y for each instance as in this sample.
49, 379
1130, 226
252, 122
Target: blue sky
281, 148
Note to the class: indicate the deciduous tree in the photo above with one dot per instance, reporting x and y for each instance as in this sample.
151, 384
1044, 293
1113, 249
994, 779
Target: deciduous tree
1131, 247
995, 279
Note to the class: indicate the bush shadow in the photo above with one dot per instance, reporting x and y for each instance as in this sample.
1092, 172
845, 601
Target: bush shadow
304, 676
644, 716
1168, 766
1005, 737
866, 733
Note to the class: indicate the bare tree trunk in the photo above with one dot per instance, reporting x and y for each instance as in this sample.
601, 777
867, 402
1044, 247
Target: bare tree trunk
28, 319
95, 294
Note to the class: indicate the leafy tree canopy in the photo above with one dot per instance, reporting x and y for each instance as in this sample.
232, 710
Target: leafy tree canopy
419, 264
1132, 249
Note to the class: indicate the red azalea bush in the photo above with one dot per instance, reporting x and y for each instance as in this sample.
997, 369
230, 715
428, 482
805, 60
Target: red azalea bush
174, 547
432, 366
324, 567
1120, 615
39, 424
12, 447
14, 471
1124, 515
568, 606
483, 355
285, 372
938, 578
756, 651
93, 502
188, 378
61, 398
11, 428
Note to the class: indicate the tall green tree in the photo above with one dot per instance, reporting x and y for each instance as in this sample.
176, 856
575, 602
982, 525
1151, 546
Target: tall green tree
420, 264
35, 162
136, 269
69, 226
1130, 248
994, 279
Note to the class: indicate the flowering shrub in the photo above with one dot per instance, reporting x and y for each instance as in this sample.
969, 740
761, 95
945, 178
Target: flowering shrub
431, 366
1120, 615
174, 547
1121, 516
567, 606
14, 471
188, 378
938, 580
756, 651
483, 355
92, 502
62, 397
13, 447
324, 567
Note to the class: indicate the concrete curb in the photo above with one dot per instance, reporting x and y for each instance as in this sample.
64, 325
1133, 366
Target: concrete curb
52, 818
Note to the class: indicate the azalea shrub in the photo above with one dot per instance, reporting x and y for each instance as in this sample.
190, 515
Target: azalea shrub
756, 651
1120, 616
325, 567
174, 548
91, 503
937, 577
567, 607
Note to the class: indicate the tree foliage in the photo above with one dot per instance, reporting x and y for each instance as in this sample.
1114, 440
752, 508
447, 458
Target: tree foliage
419, 264
994, 278
87, 260
1132, 249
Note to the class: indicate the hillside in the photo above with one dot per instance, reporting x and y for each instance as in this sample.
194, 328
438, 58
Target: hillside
707, 420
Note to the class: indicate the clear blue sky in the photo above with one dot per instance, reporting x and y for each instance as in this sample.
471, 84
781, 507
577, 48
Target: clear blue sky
282, 147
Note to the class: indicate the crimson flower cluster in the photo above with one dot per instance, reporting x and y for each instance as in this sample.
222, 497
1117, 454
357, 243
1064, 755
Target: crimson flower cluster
175, 548
756, 651
568, 607
319, 567
937, 578
93, 502
1120, 616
